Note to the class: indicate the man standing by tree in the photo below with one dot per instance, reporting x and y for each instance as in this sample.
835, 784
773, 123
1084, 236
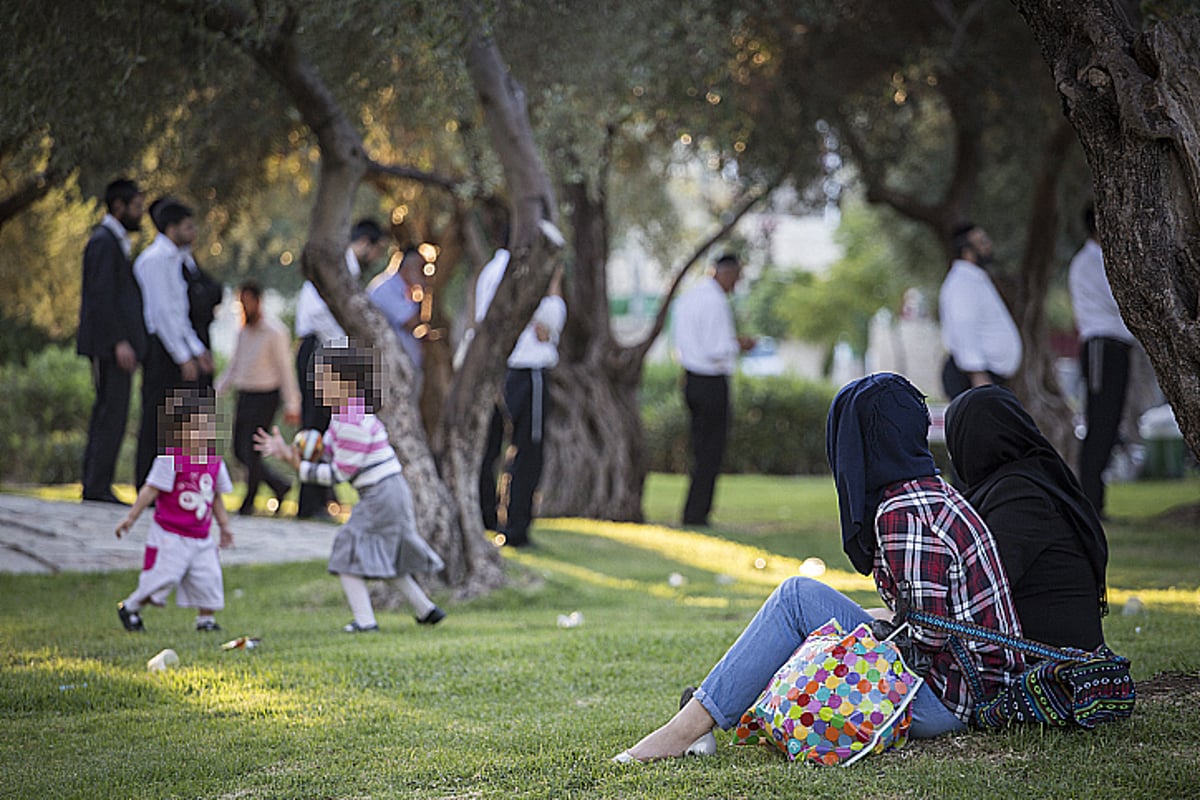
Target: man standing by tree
527, 402
396, 294
1103, 360
111, 333
981, 339
315, 325
261, 372
708, 346
175, 356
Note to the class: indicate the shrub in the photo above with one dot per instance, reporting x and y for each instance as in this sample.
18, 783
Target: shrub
778, 424
43, 421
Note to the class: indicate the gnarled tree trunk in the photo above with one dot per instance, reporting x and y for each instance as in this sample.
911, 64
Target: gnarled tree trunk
1134, 101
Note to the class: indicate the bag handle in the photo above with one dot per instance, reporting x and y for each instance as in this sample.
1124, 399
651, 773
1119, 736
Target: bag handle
969, 630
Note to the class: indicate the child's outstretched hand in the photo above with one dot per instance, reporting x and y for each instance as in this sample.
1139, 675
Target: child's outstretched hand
272, 444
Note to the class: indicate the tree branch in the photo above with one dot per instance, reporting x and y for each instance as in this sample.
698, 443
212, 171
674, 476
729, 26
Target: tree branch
31, 190
375, 169
638, 351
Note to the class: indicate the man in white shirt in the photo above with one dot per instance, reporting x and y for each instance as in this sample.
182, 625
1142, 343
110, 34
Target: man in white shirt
979, 334
315, 326
175, 355
527, 403
112, 333
708, 346
261, 372
1104, 360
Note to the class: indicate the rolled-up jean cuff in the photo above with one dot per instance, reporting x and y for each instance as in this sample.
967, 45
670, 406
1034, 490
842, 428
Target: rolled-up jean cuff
723, 721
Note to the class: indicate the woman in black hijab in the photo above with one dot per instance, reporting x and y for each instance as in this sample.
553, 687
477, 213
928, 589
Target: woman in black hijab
1050, 537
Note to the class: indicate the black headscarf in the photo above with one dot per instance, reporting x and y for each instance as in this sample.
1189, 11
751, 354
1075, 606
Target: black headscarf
877, 434
990, 436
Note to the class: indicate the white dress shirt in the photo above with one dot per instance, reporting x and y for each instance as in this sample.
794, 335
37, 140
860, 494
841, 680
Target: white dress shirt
1096, 312
159, 273
119, 231
313, 315
703, 331
532, 353
977, 329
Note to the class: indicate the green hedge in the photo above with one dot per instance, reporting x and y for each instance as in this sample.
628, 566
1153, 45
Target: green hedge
43, 421
778, 424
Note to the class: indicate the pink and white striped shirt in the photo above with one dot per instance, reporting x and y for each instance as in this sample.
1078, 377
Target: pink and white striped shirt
356, 450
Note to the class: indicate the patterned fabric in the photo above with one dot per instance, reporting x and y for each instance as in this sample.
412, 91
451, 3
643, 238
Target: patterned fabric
838, 698
935, 554
1068, 686
358, 451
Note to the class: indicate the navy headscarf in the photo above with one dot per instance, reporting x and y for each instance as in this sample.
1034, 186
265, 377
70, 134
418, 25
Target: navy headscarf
877, 434
990, 436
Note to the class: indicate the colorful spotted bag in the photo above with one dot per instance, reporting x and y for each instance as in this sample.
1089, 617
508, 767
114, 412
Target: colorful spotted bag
839, 697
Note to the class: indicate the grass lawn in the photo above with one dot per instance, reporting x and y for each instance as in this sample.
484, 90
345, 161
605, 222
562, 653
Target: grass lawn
500, 702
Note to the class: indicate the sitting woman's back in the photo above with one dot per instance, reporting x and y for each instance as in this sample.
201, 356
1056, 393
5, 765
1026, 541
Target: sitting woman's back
1049, 536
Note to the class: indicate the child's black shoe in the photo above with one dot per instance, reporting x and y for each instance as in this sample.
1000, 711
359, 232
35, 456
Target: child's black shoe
434, 616
208, 625
354, 627
132, 620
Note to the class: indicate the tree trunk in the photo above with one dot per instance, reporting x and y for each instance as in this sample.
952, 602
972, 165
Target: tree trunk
1134, 101
1037, 382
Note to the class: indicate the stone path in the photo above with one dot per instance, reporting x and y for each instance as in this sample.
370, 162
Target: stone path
46, 536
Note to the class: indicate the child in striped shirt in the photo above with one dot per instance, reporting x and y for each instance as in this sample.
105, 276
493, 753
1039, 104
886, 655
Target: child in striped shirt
380, 539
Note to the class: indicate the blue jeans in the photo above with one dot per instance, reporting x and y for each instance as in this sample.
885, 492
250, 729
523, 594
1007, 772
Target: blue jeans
796, 608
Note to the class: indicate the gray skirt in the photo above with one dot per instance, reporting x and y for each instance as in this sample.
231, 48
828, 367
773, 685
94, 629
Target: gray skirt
380, 539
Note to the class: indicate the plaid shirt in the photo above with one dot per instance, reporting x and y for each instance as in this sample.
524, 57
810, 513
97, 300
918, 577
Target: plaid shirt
931, 540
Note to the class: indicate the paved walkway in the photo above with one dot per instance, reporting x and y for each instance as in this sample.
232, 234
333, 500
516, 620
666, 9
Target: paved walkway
46, 536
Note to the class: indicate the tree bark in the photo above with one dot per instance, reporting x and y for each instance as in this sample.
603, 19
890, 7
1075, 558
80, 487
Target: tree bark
30, 190
1134, 101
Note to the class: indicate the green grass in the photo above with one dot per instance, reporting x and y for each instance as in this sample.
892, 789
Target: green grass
500, 702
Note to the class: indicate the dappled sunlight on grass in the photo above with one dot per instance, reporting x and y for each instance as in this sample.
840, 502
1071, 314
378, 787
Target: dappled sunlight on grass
752, 565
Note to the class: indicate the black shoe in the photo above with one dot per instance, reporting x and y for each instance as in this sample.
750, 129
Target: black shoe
105, 498
207, 625
132, 620
434, 616
246, 511
687, 695
354, 627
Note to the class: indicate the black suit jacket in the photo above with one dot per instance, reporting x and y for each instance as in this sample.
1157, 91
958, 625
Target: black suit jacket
110, 310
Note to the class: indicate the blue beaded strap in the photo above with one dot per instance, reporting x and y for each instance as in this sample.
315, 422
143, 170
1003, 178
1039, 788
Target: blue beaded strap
969, 630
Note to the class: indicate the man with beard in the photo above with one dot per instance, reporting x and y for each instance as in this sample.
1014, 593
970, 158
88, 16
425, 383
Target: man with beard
111, 333
981, 339
175, 356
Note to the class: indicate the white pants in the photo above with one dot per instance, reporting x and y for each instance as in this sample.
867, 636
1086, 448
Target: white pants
190, 566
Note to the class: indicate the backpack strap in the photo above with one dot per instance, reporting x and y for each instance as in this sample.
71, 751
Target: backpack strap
969, 630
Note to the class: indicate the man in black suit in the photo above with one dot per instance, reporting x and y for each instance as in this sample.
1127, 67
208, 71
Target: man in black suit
112, 333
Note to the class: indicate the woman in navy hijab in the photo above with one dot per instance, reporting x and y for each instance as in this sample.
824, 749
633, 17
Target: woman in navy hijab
910, 530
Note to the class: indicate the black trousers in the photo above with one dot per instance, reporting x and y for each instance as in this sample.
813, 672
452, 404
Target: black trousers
255, 410
955, 381
707, 398
313, 497
106, 428
1104, 364
160, 375
527, 399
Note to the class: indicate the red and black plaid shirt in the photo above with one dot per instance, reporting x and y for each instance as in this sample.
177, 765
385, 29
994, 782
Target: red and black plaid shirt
931, 539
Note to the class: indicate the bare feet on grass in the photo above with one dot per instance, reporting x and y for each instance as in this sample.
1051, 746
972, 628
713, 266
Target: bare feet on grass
673, 739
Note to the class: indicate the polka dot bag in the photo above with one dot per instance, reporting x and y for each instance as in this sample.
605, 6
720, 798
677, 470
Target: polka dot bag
839, 697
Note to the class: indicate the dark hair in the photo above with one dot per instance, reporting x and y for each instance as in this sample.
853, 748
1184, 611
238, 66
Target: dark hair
123, 190
1089, 219
357, 364
179, 408
368, 228
251, 287
167, 211
725, 259
959, 239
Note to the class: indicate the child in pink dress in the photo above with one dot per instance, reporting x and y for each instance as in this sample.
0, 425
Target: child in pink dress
185, 485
